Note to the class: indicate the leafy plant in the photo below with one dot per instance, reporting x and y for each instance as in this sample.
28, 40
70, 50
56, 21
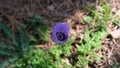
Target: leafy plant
17, 43
92, 43
37, 30
44, 58
115, 65
99, 15
54, 56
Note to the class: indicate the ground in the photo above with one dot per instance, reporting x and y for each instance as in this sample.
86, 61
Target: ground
53, 11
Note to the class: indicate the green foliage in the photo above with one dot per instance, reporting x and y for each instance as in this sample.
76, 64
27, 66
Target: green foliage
34, 59
17, 43
37, 30
6, 30
49, 58
88, 19
65, 48
92, 43
99, 15
115, 65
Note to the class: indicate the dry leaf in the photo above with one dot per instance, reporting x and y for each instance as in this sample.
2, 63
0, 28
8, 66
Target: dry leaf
115, 33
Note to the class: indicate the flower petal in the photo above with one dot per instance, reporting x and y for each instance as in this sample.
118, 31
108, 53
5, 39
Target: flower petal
62, 28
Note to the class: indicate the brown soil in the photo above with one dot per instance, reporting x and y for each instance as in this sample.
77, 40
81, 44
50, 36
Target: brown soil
62, 10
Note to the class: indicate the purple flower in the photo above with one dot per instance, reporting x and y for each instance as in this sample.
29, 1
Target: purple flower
60, 32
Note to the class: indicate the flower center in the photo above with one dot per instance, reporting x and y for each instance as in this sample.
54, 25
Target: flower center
60, 36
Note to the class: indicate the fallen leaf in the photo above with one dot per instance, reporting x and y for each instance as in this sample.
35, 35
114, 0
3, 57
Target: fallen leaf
115, 33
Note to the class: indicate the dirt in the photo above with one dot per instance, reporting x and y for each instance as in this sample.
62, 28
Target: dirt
62, 10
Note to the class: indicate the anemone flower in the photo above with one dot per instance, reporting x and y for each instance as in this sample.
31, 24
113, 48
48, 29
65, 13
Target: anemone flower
60, 32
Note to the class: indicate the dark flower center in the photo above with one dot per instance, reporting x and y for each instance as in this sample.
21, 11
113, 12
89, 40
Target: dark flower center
60, 36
